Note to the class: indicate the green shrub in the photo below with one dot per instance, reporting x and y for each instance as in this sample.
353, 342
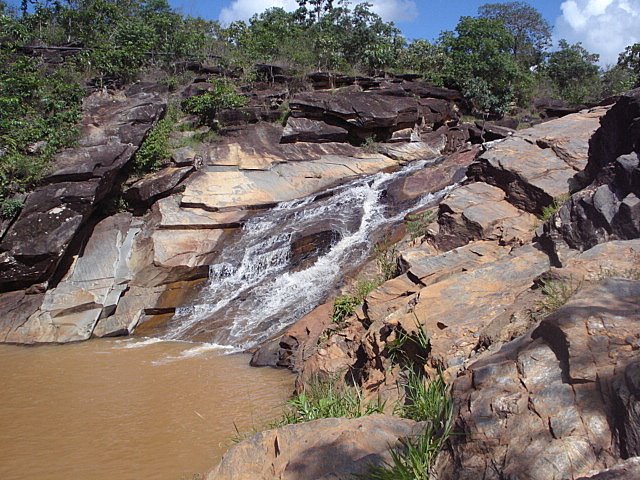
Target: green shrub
39, 111
10, 207
207, 105
156, 147
328, 399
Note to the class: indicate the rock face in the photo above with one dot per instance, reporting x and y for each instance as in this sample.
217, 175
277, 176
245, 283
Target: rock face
557, 403
393, 112
537, 165
90, 291
609, 207
112, 128
330, 448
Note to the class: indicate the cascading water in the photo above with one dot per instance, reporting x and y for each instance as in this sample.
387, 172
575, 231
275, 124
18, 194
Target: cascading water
253, 293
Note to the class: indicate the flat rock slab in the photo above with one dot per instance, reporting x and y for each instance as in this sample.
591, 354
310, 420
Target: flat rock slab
159, 183
232, 189
425, 267
559, 402
258, 147
173, 217
333, 448
454, 310
537, 164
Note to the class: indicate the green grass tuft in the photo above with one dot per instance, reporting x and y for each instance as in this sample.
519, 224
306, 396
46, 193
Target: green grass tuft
550, 210
328, 399
426, 402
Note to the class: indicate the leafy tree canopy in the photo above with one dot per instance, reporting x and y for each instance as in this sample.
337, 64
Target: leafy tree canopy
530, 32
574, 72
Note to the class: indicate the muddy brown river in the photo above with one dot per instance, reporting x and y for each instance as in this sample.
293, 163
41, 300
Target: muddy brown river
122, 409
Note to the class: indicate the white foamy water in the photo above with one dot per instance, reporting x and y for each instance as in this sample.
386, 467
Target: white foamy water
253, 292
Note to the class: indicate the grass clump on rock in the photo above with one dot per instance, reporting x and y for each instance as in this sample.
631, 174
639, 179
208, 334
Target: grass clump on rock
328, 399
428, 402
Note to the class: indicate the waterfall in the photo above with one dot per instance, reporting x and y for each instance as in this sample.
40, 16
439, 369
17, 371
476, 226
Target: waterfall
253, 293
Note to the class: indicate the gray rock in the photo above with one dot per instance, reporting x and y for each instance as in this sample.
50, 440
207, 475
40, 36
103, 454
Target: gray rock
559, 402
333, 448
81, 177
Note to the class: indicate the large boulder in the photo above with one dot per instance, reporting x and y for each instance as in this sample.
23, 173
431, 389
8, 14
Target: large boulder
537, 165
559, 402
609, 207
333, 448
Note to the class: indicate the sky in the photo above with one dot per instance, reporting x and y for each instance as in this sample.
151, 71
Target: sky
605, 27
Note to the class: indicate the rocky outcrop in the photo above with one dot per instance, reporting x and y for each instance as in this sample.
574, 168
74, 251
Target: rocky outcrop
537, 165
609, 207
480, 211
392, 112
330, 448
112, 128
559, 402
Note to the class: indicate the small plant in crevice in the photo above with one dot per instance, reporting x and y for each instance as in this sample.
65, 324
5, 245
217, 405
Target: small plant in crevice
346, 304
343, 306
370, 145
386, 255
408, 349
550, 210
424, 401
330, 398
556, 293
417, 223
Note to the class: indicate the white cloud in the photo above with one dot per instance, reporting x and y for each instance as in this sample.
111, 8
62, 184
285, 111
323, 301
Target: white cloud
389, 10
605, 27
245, 9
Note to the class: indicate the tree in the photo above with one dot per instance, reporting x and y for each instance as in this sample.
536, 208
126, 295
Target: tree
481, 65
573, 71
630, 60
428, 59
313, 10
530, 32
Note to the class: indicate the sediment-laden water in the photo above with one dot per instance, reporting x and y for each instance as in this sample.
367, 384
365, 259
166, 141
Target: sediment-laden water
125, 410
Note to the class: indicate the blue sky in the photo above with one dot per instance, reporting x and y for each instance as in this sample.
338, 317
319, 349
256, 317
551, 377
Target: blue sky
416, 19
